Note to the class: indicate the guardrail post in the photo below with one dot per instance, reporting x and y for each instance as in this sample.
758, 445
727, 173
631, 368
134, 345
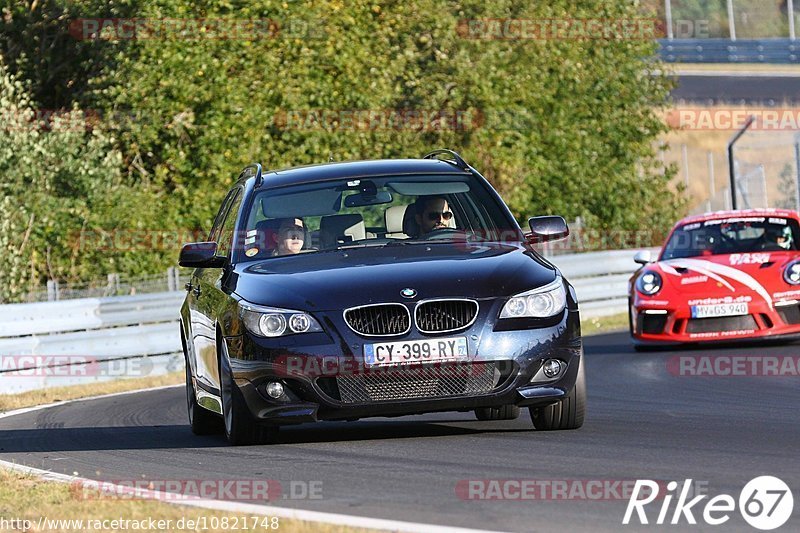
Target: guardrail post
685, 157
113, 283
731, 24
52, 290
668, 14
172, 279
712, 186
797, 167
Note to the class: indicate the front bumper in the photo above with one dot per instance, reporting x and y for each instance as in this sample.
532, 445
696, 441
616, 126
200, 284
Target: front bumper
673, 324
314, 368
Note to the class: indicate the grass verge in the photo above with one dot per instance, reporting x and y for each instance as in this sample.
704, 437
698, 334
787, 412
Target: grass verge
25, 497
43, 396
604, 324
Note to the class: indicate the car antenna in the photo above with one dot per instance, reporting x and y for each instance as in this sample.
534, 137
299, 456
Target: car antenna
330, 158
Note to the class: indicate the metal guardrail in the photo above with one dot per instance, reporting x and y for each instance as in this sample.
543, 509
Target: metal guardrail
600, 279
110, 331
781, 51
73, 342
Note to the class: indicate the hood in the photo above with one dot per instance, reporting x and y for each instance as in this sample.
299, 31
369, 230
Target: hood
758, 272
347, 278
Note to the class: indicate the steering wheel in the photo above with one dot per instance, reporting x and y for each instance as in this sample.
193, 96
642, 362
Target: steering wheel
443, 233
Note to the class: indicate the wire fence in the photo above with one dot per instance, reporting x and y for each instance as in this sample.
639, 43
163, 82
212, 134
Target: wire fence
113, 285
765, 164
727, 19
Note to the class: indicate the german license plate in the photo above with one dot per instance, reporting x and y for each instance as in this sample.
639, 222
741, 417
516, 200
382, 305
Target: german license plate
710, 311
421, 351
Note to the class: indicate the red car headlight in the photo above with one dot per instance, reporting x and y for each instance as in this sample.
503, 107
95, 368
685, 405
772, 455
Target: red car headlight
649, 283
791, 274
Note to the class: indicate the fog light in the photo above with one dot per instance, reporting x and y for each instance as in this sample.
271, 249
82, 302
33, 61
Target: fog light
552, 368
274, 389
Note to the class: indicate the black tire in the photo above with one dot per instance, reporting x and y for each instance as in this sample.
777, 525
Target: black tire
202, 421
504, 412
567, 413
630, 318
241, 429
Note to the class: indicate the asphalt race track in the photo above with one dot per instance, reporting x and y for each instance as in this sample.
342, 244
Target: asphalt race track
643, 422
738, 89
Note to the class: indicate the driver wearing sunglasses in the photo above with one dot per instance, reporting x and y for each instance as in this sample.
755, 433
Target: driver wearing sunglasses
432, 213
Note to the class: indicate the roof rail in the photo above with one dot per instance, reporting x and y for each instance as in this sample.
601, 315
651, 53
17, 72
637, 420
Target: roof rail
454, 157
253, 169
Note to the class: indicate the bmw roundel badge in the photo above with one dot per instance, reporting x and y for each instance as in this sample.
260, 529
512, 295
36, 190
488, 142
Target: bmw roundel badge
408, 293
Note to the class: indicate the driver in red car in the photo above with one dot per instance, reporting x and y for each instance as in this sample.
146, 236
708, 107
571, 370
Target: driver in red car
432, 213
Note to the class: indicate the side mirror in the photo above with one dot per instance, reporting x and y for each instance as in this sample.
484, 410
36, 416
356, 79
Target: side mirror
200, 255
643, 257
547, 228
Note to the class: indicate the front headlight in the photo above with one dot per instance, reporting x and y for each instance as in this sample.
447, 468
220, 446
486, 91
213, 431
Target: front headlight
543, 302
274, 322
791, 274
649, 283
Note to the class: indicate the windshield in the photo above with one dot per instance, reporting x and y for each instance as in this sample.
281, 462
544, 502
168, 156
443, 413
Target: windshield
375, 211
733, 235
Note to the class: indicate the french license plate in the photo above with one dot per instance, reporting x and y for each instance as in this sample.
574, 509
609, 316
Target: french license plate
421, 351
709, 311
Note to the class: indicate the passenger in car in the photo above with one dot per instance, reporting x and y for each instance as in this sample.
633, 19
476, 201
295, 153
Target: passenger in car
290, 236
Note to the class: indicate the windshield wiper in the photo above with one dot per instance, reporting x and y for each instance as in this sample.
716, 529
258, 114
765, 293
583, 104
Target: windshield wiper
361, 245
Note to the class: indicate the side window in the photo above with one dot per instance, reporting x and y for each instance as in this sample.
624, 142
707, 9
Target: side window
215, 227
228, 228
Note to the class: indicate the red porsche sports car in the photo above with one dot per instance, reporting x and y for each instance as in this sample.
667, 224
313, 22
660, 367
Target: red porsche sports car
720, 276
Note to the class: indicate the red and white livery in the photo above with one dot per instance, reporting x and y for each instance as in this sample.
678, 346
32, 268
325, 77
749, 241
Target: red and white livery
720, 276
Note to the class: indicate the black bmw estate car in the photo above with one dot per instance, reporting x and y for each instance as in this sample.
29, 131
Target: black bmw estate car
376, 288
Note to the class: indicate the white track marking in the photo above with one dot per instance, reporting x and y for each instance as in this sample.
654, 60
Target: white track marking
228, 506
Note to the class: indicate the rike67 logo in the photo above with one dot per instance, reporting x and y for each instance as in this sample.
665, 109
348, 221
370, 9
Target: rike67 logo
765, 503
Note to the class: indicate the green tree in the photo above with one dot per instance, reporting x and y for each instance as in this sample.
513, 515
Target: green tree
562, 125
569, 122
62, 188
41, 41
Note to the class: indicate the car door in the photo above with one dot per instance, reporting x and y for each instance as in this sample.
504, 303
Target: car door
205, 295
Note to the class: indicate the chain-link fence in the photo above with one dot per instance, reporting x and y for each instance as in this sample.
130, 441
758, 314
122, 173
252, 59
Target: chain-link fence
766, 167
113, 285
727, 19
